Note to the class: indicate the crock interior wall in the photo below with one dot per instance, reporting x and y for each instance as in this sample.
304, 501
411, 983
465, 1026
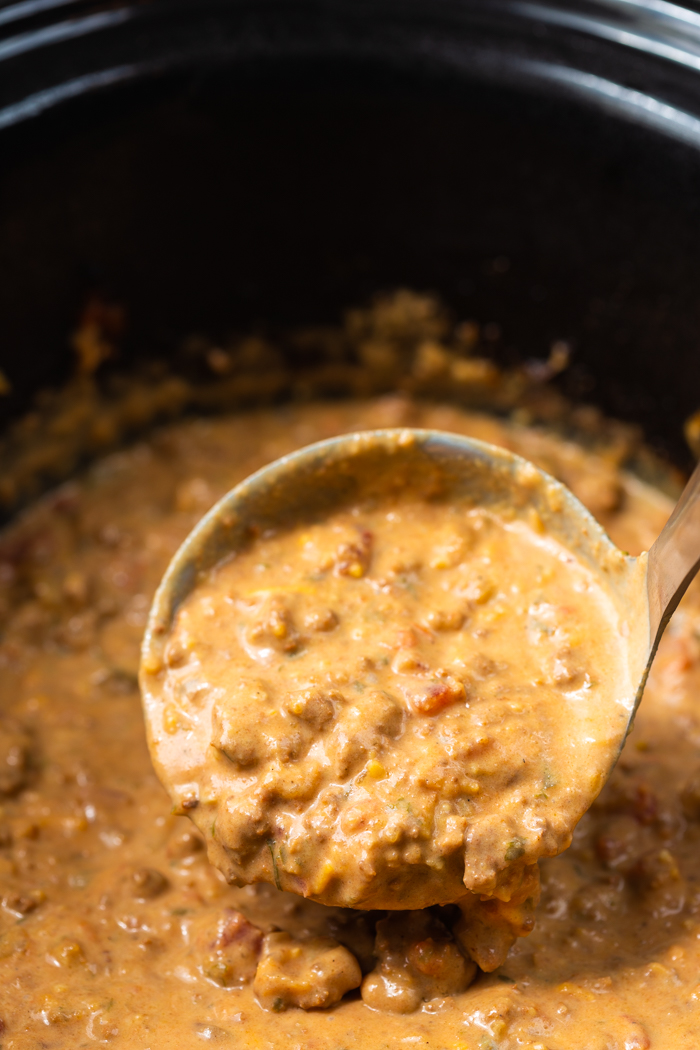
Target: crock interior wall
279, 193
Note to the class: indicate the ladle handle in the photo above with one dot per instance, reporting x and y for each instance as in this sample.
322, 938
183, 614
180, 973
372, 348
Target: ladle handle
674, 558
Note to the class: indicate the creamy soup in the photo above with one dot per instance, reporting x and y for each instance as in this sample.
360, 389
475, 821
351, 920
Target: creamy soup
393, 704
115, 927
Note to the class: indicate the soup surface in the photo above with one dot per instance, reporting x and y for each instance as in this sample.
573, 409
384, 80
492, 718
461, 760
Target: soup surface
390, 705
116, 929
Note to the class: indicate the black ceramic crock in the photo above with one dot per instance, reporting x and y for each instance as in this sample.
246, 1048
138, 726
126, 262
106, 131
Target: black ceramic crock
227, 163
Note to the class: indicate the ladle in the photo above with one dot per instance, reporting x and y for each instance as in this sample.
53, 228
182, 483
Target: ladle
379, 465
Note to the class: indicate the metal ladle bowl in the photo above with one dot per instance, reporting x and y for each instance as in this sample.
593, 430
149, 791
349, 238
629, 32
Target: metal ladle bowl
376, 466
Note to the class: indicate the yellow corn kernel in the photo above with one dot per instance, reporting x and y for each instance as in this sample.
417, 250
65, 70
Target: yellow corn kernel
484, 591
436, 863
152, 664
375, 769
576, 990
555, 499
69, 953
76, 822
324, 876
528, 476
355, 569
171, 722
535, 521
493, 615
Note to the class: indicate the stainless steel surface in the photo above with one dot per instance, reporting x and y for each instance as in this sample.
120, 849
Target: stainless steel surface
636, 58
674, 559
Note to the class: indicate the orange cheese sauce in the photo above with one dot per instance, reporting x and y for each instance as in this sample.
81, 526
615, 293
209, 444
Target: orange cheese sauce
392, 706
114, 927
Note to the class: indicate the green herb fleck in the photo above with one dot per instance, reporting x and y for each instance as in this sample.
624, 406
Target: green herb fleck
275, 872
548, 781
515, 849
408, 584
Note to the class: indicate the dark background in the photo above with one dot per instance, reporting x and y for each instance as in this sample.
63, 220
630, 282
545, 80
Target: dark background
275, 191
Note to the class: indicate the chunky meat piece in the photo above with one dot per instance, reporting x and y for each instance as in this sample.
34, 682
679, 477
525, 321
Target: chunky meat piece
353, 557
320, 618
147, 883
600, 901
226, 948
418, 961
243, 825
488, 928
314, 706
248, 730
365, 726
311, 973
271, 627
656, 878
